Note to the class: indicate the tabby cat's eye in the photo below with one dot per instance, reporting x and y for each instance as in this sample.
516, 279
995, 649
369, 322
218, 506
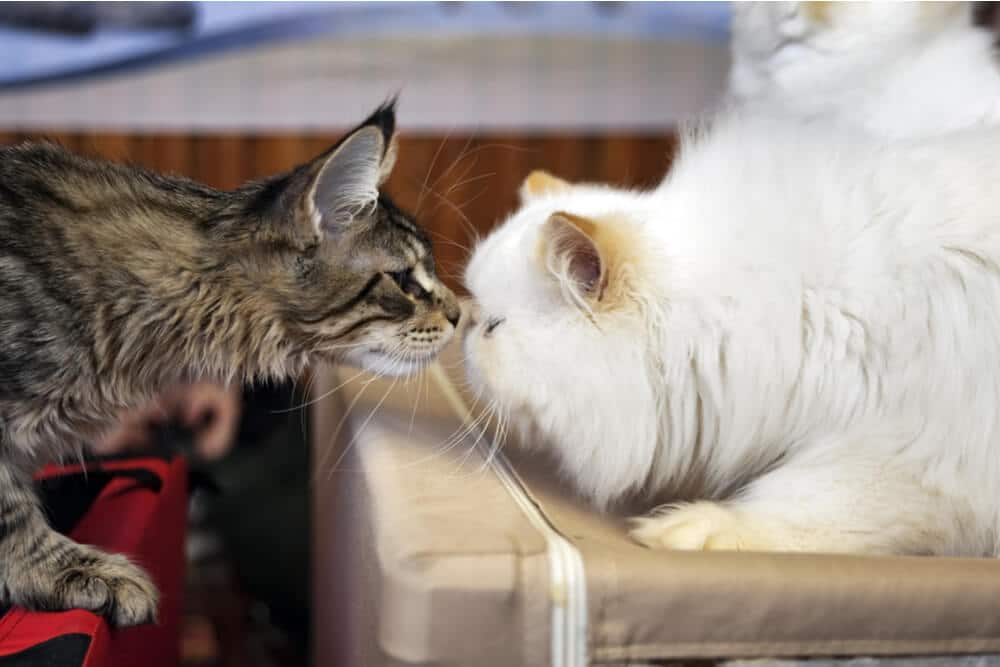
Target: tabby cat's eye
406, 282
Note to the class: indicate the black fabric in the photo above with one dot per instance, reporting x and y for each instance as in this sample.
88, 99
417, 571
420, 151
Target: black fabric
266, 408
66, 498
62, 651
265, 499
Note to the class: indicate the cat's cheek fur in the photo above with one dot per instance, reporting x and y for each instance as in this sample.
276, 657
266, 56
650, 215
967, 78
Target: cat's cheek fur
401, 350
523, 367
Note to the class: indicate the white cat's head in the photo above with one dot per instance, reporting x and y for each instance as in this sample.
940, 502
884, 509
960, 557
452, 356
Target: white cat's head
559, 335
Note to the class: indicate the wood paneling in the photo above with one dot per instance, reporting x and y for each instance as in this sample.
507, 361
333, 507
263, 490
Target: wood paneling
458, 186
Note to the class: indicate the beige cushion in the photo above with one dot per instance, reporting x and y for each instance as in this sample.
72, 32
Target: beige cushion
424, 557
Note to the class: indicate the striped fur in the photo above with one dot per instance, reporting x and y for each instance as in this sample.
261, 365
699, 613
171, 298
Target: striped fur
115, 282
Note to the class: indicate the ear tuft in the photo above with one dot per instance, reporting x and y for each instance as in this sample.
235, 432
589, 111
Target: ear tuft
571, 254
540, 183
384, 118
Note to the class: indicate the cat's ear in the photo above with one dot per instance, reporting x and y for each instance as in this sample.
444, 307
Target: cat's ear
345, 182
384, 118
540, 183
570, 252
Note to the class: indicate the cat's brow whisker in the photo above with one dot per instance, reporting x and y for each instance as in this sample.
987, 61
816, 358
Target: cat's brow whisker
460, 213
461, 156
469, 181
449, 241
437, 153
467, 152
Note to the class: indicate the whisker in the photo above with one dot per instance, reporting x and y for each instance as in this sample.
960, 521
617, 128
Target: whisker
437, 153
313, 401
332, 440
461, 156
361, 428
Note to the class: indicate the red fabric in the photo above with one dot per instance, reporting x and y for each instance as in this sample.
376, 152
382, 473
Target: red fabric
149, 527
20, 630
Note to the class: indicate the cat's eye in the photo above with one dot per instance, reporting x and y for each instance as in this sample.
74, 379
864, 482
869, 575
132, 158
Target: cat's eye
405, 281
492, 324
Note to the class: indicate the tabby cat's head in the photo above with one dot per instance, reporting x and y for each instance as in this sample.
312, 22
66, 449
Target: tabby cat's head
349, 274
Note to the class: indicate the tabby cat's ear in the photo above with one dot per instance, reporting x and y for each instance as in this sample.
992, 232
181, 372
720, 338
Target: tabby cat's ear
540, 183
570, 252
346, 181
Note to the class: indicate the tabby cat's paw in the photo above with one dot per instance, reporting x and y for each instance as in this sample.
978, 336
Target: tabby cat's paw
108, 584
702, 526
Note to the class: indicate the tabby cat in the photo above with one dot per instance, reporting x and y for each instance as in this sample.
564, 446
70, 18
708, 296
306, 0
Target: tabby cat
115, 281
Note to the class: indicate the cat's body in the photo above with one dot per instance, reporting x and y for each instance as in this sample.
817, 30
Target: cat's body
800, 329
894, 69
116, 282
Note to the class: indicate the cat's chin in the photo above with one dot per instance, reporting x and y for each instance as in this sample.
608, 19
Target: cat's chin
377, 362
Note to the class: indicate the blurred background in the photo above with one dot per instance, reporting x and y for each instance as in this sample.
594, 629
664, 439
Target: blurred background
226, 92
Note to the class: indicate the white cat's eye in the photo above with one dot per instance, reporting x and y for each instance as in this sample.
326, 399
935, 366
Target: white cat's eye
492, 324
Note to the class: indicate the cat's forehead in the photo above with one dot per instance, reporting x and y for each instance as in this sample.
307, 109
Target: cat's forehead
503, 271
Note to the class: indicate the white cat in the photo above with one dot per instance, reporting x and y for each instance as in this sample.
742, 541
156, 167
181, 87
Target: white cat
800, 324
896, 69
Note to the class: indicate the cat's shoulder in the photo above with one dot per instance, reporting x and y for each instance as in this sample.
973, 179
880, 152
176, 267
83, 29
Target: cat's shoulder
47, 168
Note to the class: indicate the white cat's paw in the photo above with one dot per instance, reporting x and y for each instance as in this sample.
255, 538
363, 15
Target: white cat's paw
702, 526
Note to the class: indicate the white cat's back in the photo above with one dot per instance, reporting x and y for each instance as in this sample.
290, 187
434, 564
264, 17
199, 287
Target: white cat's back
894, 69
848, 282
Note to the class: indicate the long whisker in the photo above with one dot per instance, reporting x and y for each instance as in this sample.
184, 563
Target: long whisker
332, 440
461, 156
470, 228
361, 428
313, 401
437, 153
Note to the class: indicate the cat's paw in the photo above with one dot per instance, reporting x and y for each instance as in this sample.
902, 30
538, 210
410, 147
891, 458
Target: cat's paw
702, 526
86, 578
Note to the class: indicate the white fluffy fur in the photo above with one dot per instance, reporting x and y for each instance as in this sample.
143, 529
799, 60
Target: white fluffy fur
809, 336
896, 69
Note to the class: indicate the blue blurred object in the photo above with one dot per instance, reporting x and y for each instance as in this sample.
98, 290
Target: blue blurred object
43, 45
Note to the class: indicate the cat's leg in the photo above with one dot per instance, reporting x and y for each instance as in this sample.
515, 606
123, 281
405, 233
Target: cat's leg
855, 495
45, 571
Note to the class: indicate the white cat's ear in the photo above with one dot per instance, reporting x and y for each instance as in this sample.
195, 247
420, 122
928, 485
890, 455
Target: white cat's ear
541, 183
346, 182
571, 254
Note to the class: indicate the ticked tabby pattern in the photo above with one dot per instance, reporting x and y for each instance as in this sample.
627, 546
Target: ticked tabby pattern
115, 282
